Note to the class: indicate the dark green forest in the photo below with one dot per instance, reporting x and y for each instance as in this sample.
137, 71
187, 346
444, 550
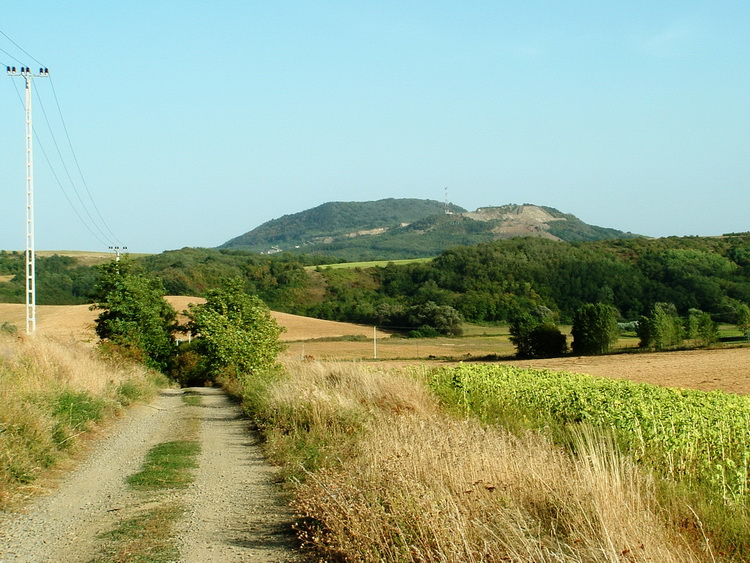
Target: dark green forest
486, 283
60, 280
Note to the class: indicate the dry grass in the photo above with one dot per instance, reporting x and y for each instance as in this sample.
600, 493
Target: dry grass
394, 479
305, 328
50, 393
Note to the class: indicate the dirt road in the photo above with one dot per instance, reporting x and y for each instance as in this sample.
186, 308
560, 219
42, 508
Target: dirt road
232, 510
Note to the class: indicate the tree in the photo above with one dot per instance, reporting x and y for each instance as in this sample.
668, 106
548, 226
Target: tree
742, 319
691, 323
535, 335
707, 332
662, 329
236, 334
135, 317
443, 319
595, 329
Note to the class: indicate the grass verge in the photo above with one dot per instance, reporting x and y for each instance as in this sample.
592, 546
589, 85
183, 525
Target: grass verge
382, 473
168, 466
51, 394
144, 537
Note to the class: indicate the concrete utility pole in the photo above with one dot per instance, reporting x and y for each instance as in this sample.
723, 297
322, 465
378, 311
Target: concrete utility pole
118, 251
30, 249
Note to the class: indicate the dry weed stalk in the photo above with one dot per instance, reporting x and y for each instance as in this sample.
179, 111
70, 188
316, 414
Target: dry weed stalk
421, 486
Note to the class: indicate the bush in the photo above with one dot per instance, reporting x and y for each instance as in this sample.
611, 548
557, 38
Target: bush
427, 319
134, 314
189, 369
742, 319
236, 335
707, 331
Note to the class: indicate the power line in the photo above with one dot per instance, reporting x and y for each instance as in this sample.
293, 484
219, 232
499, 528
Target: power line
78, 166
67, 172
57, 179
20, 49
93, 221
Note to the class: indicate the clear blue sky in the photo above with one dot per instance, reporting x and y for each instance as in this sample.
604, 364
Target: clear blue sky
194, 121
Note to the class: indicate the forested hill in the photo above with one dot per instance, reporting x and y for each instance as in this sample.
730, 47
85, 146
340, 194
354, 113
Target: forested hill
408, 228
315, 229
489, 282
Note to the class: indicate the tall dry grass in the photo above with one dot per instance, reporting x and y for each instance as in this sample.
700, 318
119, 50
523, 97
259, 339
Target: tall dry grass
392, 478
51, 392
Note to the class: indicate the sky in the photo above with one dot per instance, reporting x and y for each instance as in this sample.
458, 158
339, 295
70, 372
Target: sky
167, 124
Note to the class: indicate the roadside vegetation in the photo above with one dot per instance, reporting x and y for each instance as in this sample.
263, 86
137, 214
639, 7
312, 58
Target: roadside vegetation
381, 471
51, 394
693, 442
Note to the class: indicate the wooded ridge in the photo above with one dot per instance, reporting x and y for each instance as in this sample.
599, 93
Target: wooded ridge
391, 229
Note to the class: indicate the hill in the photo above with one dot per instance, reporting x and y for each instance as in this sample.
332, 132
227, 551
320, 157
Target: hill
409, 228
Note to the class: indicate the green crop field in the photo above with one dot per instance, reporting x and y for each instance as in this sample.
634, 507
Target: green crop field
695, 437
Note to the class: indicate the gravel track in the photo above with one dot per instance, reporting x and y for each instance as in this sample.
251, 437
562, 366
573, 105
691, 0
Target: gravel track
224, 522
234, 511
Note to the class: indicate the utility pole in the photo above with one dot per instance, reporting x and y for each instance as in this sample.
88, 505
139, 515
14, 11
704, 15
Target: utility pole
118, 251
30, 249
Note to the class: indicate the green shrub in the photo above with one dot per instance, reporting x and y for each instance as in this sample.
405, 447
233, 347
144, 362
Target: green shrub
235, 333
537, 336
135, 316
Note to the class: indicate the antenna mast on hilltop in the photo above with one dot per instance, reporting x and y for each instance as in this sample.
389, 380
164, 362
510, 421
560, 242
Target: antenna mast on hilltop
447, 208
30, 250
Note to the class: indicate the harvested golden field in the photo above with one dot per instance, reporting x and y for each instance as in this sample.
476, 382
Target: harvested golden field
60, 321
727, 369
78, 321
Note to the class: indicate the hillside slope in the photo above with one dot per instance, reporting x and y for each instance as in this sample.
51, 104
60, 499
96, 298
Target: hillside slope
409, 228
325, 223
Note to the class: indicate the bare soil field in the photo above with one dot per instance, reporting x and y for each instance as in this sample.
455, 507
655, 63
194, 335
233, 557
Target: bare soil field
727, 368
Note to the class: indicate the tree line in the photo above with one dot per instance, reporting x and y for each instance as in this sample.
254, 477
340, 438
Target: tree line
493, 282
